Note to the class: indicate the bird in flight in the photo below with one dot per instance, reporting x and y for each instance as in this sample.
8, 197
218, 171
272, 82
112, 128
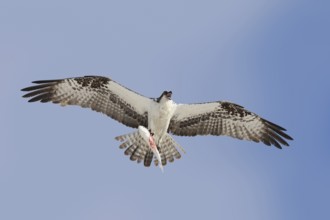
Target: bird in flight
156, 118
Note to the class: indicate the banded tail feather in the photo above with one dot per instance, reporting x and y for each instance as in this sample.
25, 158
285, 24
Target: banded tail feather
139, 150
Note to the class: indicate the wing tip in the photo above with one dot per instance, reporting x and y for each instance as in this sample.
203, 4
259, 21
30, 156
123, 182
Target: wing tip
278, 129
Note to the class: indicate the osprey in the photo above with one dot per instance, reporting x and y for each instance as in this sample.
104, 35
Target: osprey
160, 115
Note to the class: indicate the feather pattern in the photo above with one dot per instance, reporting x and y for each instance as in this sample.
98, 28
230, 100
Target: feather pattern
162, 116
138, 149
225, 118
98, 93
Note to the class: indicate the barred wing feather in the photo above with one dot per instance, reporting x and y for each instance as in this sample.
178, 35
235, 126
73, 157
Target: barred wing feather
101, 94
225, 118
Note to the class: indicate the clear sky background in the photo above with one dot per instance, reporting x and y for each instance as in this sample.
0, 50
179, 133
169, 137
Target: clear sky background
270, 56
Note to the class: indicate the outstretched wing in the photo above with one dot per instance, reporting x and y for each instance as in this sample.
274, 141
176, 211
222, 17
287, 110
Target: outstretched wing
99, 93
225, 118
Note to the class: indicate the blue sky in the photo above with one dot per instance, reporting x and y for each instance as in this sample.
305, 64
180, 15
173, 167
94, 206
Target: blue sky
272, 57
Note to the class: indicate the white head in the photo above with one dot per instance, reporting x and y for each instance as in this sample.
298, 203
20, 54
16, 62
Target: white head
165, 96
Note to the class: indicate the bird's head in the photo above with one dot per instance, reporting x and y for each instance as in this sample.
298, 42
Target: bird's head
165, 96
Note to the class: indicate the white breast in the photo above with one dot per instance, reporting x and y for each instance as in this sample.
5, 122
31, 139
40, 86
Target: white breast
159, 117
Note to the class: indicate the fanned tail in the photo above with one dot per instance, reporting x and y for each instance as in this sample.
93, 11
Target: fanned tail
169, 150
139, 150
148, 158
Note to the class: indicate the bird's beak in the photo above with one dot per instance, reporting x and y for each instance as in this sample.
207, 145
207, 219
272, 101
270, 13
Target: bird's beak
169, 95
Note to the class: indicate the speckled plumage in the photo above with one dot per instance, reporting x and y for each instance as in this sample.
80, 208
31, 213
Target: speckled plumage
161, 115
89, 92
